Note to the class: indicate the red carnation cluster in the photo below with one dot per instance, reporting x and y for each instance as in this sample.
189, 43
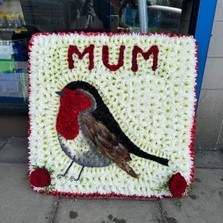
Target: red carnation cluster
40, 178
177, 185
70, 107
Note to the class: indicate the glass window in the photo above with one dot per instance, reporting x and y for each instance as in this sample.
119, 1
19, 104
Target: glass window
163, 15
20, 19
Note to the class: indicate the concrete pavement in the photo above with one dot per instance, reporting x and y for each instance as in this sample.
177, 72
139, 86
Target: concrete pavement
20, 204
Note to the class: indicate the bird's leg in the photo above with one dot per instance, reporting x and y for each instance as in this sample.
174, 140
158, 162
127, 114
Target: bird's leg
71, 178
76, 179
63, 175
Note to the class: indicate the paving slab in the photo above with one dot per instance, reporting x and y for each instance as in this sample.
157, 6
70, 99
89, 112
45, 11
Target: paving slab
106, 211
209, 159
18, 202
2, 142
204, 205
15, 150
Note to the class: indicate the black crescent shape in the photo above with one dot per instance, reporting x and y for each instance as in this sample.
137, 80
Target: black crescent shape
103, 114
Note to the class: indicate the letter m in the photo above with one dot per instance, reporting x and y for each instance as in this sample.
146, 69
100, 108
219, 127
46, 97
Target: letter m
74, 50
153, 50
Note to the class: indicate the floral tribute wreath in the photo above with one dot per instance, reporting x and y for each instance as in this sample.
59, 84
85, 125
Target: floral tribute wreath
112, 115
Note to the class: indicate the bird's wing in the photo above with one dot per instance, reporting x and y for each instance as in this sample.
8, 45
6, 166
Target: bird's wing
106, 143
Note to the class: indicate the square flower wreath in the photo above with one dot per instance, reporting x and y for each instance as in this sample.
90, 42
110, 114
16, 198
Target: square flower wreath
112, 115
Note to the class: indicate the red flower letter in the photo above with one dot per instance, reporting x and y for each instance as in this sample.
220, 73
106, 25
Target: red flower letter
88, 50
152, 50
177, 185
40, 178
105, 53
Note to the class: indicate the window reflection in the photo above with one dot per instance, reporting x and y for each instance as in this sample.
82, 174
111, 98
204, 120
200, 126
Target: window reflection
163, 15
101, 15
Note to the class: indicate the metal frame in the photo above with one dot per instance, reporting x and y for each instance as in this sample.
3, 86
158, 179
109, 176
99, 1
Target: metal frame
203, 34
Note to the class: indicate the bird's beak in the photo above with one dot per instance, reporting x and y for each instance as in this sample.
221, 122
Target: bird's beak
60, 93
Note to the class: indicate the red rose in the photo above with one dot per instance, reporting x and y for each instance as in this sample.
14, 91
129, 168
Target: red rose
40, 178
177, 185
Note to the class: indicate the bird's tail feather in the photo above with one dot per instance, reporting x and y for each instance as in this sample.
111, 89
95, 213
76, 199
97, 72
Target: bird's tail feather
145, 155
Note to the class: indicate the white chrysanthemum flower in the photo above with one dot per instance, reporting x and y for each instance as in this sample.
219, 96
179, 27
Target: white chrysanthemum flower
154, 109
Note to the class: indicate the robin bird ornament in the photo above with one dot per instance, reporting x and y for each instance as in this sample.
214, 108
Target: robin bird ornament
82, 110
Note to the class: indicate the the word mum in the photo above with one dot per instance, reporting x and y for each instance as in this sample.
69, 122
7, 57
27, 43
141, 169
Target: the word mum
152, 52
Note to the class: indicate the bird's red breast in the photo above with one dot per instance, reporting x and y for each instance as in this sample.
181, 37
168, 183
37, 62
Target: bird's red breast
71, 104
